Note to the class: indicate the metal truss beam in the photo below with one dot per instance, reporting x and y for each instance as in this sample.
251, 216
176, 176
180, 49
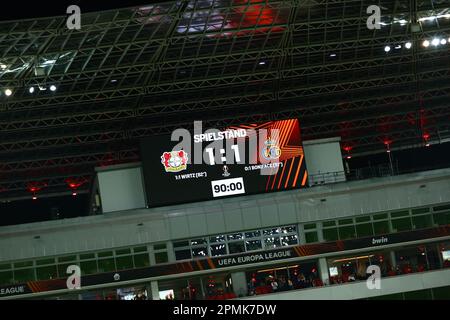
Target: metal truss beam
135, 72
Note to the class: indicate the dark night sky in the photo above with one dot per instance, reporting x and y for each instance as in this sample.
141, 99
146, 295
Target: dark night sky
22, 9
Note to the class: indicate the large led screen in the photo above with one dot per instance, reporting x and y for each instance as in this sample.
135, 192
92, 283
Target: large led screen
215, 163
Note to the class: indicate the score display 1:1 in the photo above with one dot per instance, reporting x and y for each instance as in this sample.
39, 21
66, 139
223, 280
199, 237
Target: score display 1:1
223, 158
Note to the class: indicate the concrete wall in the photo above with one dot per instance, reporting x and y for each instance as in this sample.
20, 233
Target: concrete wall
226, 215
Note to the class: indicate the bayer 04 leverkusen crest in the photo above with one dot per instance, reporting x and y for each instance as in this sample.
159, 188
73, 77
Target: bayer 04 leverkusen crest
174, 161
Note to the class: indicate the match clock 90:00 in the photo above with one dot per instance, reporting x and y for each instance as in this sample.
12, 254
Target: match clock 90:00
227, 187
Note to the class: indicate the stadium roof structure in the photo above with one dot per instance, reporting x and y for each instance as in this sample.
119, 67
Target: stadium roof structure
134, 72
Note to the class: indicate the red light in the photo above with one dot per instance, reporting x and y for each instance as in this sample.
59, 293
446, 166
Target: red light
347, 149
34, 187
75, 183
425, 137
387, 144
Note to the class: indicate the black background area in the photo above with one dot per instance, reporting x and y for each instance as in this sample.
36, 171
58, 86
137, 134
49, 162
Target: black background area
15, 10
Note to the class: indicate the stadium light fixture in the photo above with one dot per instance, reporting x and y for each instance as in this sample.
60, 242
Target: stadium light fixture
53, 88
426, 43
387, 143
408, 45
8, 92
429, 18
31, 90
426, 139
74, 184
3, 66
443, 41
348, 150
435, 42
387, 49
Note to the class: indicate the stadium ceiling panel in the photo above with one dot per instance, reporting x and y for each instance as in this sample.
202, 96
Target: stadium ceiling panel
71, 100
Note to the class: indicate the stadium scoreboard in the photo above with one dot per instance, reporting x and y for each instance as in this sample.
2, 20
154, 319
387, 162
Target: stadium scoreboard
245, 159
